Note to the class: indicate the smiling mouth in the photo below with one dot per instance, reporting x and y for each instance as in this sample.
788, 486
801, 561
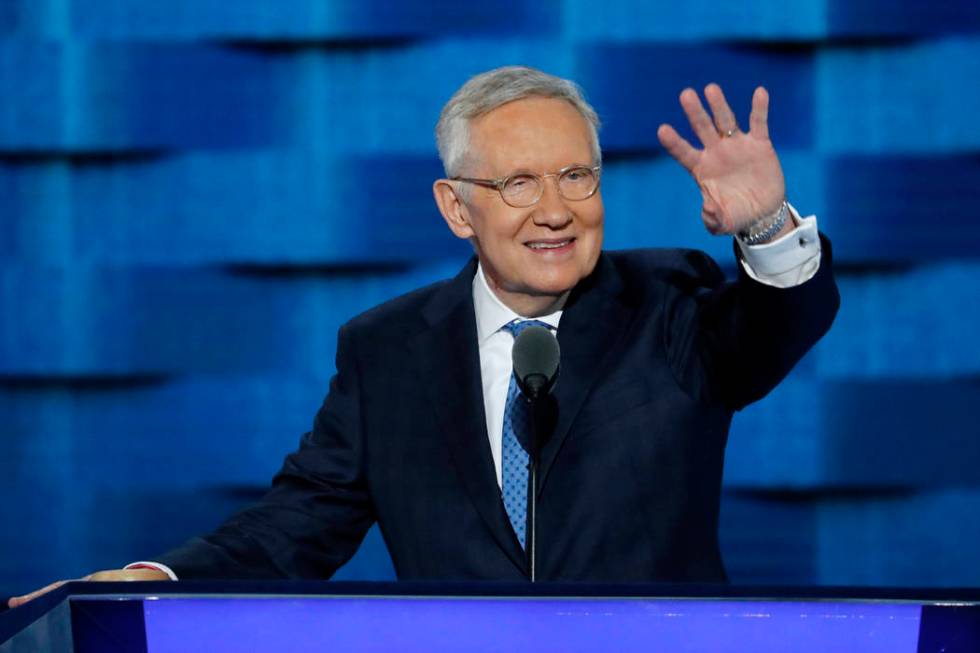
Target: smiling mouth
550, 244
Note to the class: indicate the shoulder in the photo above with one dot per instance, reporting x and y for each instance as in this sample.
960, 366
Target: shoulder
397, 315
684, 269
379, 337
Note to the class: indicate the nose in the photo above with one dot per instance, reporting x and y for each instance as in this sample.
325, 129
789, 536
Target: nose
551, 210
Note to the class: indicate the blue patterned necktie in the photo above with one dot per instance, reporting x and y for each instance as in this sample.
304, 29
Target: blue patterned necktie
514, 455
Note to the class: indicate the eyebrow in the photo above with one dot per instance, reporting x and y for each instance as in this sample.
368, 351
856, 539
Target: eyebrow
518, 171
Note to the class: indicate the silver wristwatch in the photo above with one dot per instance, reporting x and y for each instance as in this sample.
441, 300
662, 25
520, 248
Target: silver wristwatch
764, 229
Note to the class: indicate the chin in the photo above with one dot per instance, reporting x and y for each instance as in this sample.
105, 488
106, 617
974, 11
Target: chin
548, 284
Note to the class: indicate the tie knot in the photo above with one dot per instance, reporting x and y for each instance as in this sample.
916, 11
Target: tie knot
516, 327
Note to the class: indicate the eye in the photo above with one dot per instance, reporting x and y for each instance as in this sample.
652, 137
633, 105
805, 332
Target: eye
519, 183
578, 175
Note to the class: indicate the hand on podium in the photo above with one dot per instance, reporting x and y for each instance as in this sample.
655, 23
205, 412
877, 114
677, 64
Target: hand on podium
108, 575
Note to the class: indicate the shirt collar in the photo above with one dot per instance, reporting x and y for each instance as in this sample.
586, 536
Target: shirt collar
492, 314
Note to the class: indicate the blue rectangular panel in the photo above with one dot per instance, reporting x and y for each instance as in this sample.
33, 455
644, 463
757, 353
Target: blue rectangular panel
387, 100
117, 96
168, 435
425, 18
917, 324
112, 322
901, 208
901, 98
768, 539
864, 18
307, 19
838, 538
923, 540
84, 321
34, 117
431, 624
694, 20
811, 436
290, 207
923, 434
636, 87
9, 16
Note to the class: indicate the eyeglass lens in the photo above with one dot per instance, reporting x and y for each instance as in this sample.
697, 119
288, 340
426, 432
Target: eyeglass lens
573, 184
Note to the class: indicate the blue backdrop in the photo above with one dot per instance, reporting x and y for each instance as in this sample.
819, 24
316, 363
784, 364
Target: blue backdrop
195, 194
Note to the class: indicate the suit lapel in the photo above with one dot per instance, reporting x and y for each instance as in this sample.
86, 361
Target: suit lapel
592, 324
448, 354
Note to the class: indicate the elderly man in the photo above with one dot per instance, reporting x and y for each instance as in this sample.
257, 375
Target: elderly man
422, 429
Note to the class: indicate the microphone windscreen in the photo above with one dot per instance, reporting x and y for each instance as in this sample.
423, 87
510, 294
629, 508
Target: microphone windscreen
536, 356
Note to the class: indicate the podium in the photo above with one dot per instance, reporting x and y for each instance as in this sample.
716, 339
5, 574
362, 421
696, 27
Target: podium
164, 617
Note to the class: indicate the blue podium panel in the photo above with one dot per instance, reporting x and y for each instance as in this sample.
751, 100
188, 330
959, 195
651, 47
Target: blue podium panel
508, 624
310, 616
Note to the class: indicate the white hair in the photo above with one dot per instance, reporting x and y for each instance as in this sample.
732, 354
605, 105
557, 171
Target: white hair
487, 91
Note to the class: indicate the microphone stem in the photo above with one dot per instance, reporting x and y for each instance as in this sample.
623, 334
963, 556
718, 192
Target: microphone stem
532, 540
532, 536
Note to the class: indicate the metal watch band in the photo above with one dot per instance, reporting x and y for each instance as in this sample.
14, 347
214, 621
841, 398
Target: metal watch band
767, 227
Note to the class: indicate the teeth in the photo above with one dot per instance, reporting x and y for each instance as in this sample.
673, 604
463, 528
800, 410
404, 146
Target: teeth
549, 245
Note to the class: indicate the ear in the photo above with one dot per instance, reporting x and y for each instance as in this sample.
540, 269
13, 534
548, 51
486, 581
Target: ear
452, 208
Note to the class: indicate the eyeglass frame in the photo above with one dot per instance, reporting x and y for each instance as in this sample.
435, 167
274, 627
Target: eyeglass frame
499, 183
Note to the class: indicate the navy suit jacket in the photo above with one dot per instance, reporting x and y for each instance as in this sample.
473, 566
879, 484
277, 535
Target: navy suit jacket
657, 352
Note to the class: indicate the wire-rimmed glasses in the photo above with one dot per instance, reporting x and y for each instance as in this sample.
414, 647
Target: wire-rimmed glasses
524, 189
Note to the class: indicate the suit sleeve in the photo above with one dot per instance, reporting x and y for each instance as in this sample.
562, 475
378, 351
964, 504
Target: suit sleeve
317, 511
731, 343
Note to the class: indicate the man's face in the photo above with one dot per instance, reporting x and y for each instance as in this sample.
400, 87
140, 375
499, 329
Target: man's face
539, 135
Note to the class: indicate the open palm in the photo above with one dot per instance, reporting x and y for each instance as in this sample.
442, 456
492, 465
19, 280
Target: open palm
738, 173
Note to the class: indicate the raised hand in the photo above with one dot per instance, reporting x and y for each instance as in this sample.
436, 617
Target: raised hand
738, 173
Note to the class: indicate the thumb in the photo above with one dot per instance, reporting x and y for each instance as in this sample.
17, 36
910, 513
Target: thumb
17, 601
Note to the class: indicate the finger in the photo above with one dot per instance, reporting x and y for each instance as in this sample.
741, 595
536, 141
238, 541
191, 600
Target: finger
759, 120
724, 116
677, 147
698, 117
18, 601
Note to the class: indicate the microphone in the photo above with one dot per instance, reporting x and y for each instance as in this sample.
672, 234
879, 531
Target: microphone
536, 355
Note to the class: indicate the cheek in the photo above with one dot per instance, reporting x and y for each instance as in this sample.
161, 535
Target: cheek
598, 211
592, 223
507, 229
495, 228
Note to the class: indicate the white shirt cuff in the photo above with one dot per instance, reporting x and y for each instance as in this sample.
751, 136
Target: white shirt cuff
788, 261
155, 565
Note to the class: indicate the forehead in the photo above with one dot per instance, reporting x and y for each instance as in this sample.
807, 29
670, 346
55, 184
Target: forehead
537, 134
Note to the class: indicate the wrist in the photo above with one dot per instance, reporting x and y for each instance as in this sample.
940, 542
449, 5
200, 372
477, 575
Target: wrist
767, 227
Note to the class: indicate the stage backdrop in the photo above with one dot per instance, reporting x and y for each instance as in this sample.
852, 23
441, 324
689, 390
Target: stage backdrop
195, 194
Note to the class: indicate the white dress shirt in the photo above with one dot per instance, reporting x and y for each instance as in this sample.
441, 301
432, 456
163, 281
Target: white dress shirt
785, 262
